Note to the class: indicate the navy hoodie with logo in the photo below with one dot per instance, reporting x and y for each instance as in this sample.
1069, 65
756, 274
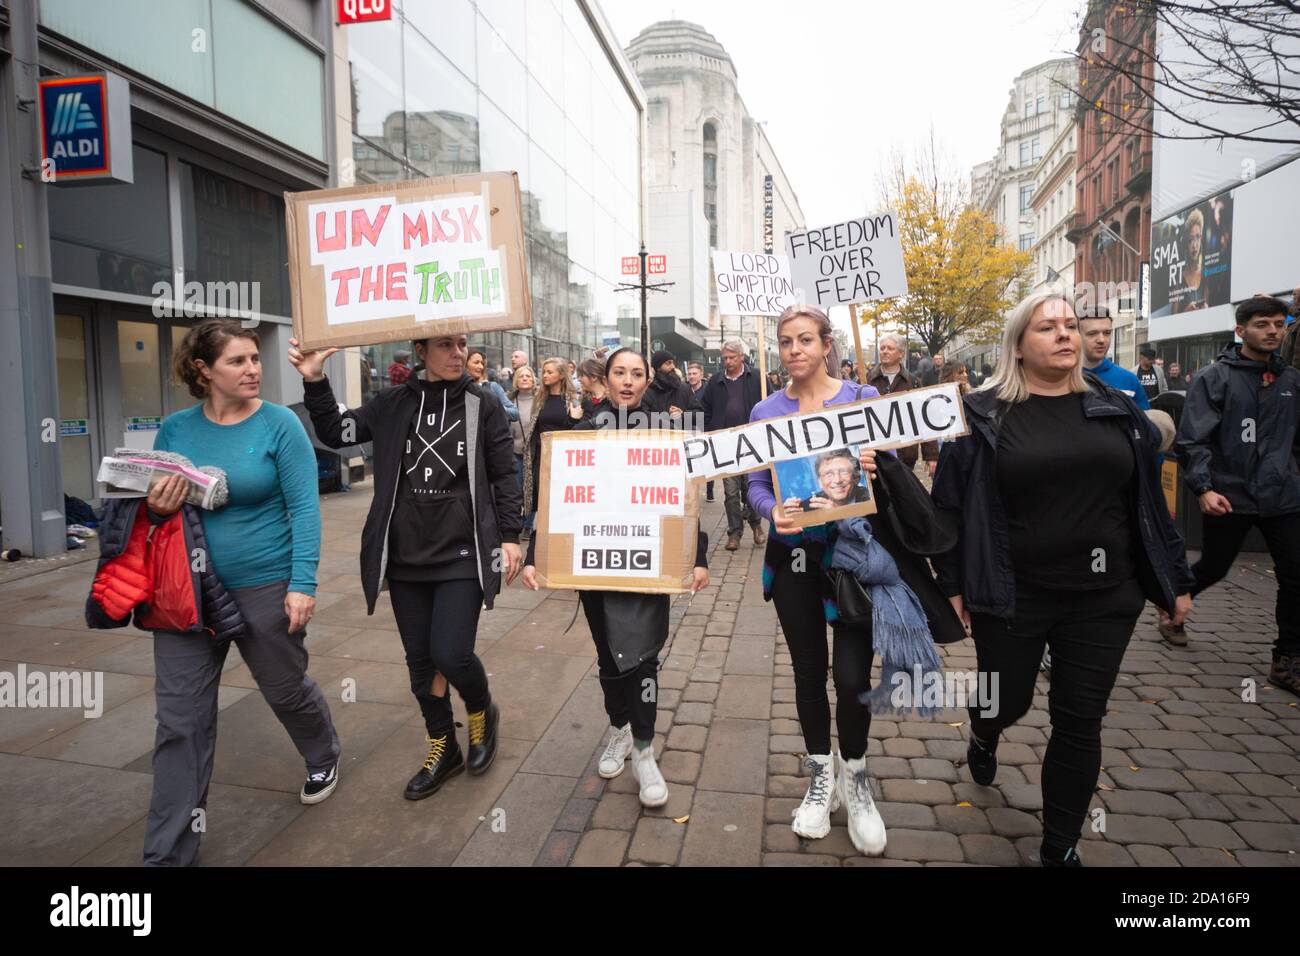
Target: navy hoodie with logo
433, 492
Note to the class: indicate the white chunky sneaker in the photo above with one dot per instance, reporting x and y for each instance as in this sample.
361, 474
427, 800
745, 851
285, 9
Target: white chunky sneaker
654, 792
616, 751
866, 828
812, 818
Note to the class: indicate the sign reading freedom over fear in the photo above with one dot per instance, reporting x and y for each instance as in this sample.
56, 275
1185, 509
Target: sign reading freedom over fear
615, 512
752, 283
407, 260
850, 262
890, 421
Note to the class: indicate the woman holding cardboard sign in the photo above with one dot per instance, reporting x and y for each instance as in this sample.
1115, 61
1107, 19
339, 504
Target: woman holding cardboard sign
629, 629
1063, 537
795, 579
444, 520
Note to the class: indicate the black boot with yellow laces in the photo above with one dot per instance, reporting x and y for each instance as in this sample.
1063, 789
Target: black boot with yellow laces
483, 738
445, 760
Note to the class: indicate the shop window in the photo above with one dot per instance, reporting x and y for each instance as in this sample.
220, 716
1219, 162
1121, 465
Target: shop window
113, 236
233, 232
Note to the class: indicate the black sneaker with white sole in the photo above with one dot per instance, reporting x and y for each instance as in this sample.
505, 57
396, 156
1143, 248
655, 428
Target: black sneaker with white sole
320, 784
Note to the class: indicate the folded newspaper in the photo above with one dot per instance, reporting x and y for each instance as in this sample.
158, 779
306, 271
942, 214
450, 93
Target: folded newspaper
131, 472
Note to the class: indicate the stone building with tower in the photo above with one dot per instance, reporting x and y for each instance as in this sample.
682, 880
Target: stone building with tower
714, 182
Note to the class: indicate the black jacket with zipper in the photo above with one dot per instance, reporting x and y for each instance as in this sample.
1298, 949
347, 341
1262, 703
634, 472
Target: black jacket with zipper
966, 487
1227, 401
386, 420
665, 391
713, 396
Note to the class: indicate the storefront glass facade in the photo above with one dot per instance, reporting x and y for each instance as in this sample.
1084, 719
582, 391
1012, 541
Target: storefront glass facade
458, 87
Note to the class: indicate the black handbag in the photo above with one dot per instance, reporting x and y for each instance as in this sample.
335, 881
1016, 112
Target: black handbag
851, 600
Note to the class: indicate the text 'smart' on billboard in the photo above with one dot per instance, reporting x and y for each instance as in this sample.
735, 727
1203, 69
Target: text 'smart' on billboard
1191, 258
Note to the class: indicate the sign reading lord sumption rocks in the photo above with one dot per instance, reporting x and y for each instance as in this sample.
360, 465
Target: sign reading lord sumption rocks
407, 260
615, 512
890, 421
752, 283
848, 263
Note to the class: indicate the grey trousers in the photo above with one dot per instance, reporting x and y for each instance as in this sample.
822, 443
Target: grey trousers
188, 670
737, 506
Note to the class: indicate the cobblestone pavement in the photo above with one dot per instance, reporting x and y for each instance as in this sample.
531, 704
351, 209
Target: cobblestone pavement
1193, 775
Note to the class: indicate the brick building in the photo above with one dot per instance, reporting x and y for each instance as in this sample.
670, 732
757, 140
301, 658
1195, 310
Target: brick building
1113, 179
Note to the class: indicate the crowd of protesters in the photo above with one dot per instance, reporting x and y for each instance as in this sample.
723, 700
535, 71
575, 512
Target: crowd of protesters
983, 553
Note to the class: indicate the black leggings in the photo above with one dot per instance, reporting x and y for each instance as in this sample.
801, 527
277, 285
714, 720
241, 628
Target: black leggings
798, 599
630, 696
438, 621
1223, 538
1087, 632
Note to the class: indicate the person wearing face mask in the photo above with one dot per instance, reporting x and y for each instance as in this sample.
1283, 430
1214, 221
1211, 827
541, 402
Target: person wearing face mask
796, 568
1063, 536
442, 532
629, 629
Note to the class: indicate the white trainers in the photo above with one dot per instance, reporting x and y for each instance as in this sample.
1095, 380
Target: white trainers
866, 828
616, 751
812, 818
654, 792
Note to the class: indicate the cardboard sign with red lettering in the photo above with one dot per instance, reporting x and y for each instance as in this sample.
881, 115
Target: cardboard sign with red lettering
407, 260
615, 512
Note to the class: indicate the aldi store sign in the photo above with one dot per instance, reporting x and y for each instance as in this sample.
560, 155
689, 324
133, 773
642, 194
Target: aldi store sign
85, 128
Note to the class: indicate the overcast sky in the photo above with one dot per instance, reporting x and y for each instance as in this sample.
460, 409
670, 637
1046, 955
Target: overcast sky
841, 85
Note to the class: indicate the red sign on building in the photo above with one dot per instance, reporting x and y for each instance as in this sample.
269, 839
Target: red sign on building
658, 265
364, 11
631, 265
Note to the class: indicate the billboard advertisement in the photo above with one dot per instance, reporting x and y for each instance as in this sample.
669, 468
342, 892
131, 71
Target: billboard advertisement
1191, 258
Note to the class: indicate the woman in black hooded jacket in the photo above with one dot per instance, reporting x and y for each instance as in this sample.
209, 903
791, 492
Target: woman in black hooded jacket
443, 525
629, 629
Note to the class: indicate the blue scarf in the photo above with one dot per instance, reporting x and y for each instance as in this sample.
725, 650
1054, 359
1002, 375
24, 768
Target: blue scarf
899, 629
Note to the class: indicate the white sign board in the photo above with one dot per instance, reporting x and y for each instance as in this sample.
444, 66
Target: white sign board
611, 498
850, 262
752, 283
890, 421
433, 252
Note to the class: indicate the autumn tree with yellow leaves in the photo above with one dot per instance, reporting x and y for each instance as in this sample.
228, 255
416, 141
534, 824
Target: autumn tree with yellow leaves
961, 280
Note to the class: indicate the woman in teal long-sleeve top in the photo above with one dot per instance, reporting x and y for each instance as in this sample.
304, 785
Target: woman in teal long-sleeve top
264, 545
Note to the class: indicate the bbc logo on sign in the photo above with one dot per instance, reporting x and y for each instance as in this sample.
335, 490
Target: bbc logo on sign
616, 559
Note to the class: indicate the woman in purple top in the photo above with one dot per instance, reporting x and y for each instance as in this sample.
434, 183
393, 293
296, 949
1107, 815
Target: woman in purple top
795, 580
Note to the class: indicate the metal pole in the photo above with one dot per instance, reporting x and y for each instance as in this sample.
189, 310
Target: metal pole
645, 322
31, 476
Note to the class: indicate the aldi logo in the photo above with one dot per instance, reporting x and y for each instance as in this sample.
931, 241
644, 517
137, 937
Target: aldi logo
71, 114
79, 114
